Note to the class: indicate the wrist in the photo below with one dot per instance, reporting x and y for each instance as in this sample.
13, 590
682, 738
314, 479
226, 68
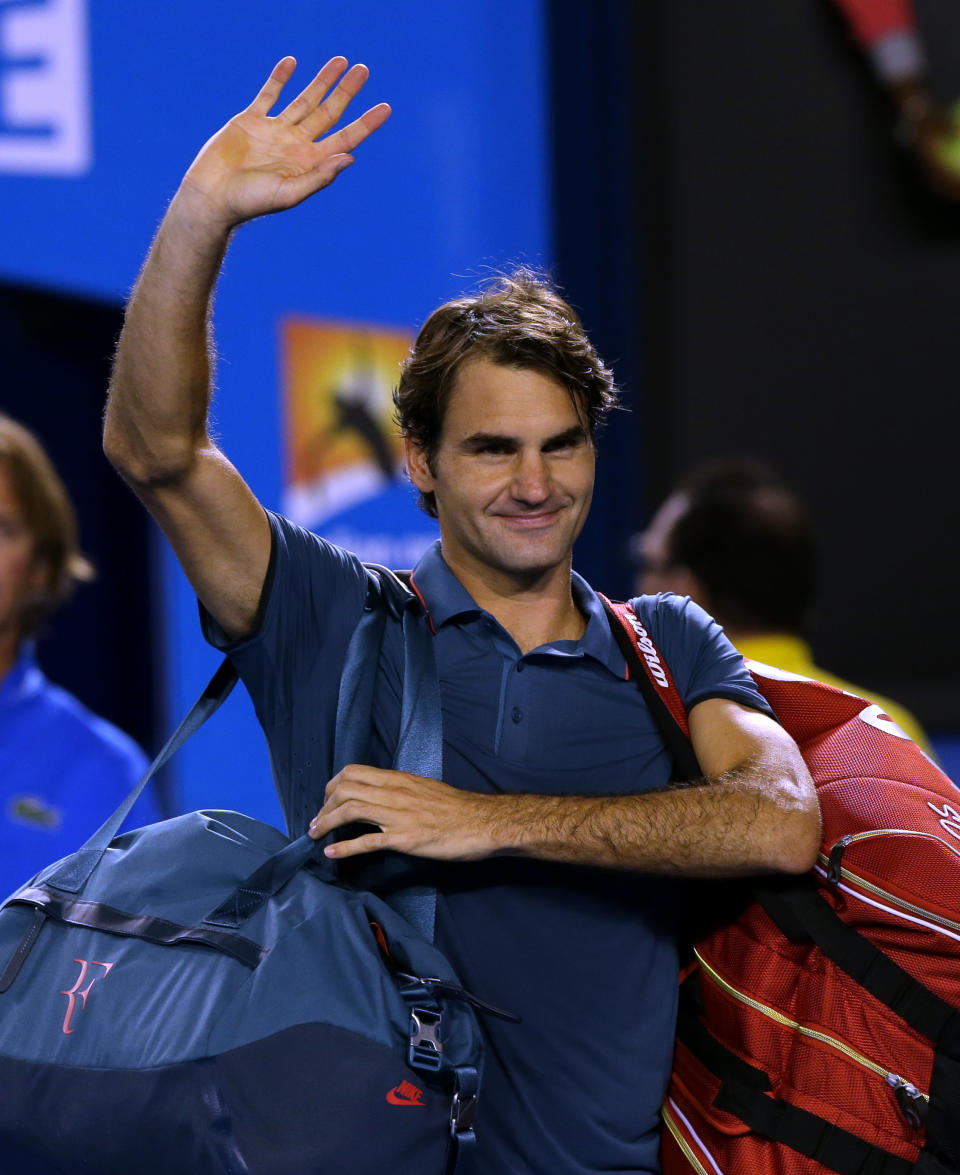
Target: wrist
196, 213
534, 825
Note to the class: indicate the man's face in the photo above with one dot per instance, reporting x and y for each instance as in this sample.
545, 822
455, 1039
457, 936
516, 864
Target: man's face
20, 574
513, 473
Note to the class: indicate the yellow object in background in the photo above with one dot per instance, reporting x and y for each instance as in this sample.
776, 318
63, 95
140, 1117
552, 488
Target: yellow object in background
795, 655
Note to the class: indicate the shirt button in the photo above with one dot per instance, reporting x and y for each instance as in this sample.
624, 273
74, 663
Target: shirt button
517, 714
520, 666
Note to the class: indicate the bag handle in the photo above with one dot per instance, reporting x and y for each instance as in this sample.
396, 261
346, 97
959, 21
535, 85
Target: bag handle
75, 871
419, 748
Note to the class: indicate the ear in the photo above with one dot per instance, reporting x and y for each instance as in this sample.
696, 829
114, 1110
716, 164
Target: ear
418, 466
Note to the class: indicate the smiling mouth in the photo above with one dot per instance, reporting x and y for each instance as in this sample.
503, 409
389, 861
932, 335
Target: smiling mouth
531, 521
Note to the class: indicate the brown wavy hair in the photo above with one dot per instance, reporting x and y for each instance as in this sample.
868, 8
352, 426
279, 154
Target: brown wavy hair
49, 517
516, 320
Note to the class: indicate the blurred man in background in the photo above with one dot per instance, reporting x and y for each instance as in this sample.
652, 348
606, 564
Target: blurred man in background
736, 539
62, 769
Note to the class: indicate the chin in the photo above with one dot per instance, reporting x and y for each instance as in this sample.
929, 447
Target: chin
530, 561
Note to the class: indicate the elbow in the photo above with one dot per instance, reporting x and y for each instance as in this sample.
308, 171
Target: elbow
144, 462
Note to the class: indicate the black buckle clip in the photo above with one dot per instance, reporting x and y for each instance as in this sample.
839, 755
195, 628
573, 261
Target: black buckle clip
463, 1113
425, 1044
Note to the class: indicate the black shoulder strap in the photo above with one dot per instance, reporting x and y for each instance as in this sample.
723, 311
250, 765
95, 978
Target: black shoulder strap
802, 914
745, 1093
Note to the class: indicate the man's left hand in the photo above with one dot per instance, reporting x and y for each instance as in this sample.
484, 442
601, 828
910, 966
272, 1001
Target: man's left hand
414, 815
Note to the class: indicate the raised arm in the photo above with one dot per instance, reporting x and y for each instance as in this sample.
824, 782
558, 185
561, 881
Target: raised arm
756, 811
155, 429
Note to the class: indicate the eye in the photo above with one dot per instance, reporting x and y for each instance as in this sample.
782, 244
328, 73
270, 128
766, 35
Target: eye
494, 448
563, 445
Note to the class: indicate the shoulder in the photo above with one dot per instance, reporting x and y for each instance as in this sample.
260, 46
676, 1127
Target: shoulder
674, 620
310, 582
83, 735
701, 658
297, 545
302, 560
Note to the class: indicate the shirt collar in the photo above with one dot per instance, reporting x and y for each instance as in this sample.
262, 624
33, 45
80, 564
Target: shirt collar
24, 679
445, 599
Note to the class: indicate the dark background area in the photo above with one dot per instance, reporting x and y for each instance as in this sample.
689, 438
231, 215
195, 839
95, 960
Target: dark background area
792, 295
56, 361
598, 233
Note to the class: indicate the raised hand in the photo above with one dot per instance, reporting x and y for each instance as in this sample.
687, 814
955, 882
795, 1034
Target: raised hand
258, 164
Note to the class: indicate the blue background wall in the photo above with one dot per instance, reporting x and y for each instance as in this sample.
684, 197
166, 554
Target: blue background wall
457, 181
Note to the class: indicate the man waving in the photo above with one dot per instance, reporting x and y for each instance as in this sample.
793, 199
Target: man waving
554, 836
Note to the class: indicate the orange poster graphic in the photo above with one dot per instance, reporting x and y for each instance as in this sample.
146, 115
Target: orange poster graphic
344, 474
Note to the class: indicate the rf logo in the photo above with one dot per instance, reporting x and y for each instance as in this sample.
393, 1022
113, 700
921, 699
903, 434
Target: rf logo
78, 991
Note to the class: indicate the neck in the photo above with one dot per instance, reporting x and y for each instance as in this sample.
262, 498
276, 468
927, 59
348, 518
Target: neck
535, 610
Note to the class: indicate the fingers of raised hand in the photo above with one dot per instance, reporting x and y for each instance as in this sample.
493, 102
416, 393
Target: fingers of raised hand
323, 113
270, 91
307, 103
352, 135
321, 103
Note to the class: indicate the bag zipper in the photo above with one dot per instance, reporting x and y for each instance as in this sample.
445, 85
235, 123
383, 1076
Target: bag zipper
684, 1145
909, 1098
833, 870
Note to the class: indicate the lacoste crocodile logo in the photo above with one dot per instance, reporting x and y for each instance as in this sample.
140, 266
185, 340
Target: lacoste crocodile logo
405, 1094
34, 811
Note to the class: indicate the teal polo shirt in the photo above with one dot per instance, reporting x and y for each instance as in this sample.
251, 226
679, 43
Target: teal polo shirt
586, 957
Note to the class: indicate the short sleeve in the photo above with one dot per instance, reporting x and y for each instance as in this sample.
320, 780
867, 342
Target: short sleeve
703, 662
312, 599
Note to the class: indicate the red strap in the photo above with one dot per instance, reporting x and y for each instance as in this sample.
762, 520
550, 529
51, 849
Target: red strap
650, 658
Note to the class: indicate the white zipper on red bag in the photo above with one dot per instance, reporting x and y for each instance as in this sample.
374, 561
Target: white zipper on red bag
832, 870
689, 1153
911, 1101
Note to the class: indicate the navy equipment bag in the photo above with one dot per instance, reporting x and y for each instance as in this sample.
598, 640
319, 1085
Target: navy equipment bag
204, 996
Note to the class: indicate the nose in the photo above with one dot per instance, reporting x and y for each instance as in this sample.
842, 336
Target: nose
531, 481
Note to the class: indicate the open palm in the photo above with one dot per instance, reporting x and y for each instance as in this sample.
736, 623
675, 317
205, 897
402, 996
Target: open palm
258, 164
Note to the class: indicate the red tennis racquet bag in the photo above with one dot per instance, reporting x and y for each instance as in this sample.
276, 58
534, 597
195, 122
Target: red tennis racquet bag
819, 1027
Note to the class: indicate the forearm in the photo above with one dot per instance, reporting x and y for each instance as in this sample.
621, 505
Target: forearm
744, 821
160, 388
761, 816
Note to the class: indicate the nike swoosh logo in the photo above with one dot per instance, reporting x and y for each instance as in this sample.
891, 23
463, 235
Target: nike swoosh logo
395, 1098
